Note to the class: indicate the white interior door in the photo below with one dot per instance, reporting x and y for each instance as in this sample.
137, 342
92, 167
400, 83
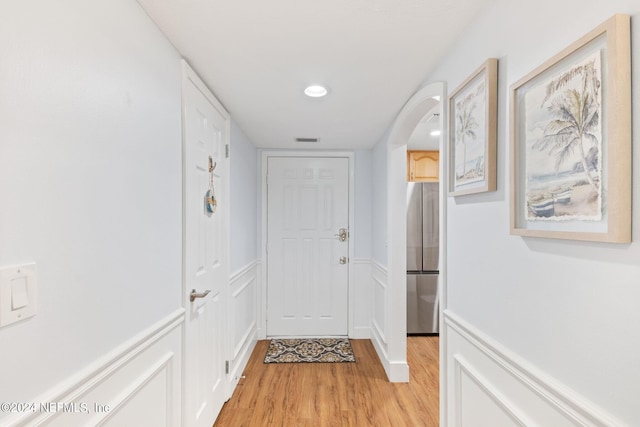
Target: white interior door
206, 269
307, 270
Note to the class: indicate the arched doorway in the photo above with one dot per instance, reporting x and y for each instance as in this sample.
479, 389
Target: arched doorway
421, 103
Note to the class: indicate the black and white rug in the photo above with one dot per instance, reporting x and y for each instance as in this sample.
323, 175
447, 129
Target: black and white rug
309, 350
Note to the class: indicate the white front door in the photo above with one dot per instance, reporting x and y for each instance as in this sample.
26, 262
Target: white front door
307, 270
206, 270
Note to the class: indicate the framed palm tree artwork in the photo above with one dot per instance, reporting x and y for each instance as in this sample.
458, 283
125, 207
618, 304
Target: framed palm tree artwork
571, 141
472, 132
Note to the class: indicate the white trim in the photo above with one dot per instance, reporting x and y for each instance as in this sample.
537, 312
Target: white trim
463, 366
164, 364
563, 399
235, 276
238, 282
444, 270
362, 298
189, 74
379, 266
352, 243
361, 333
350, 155
96, 374
379, 279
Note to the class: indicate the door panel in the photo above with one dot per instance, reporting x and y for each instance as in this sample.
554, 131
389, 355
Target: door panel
414, 226
430, 226
307, 286
205, 259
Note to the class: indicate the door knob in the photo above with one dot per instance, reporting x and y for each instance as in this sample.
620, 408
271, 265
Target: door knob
343, 260
342, 234
195, 294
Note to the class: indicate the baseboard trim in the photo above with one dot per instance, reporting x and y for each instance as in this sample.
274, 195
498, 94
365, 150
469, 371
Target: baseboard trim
381, 350
398, 372
564, 400
238, 368
361, 333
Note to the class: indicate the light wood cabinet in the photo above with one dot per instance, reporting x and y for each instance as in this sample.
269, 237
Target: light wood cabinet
423, 166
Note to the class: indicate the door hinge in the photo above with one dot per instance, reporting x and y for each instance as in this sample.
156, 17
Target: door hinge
226, 366
226, 151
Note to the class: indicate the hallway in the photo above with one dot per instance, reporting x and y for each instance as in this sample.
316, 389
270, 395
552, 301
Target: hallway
96, 300
337, 394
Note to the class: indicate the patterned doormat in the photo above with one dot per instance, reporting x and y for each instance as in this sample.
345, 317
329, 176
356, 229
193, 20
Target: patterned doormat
309, 350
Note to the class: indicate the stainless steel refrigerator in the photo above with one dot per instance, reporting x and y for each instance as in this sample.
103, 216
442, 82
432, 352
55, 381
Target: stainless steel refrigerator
423, 247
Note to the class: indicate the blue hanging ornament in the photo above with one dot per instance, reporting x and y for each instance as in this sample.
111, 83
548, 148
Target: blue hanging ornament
210, 202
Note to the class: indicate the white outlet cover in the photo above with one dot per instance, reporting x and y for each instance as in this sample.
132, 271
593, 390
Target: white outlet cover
18, 293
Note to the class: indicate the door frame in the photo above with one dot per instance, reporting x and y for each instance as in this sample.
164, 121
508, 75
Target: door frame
262, 238
188, 76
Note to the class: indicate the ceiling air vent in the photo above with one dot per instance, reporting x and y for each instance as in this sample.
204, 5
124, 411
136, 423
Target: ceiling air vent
306, 139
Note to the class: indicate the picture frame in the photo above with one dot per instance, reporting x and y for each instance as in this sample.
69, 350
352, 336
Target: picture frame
571, 141
473, 110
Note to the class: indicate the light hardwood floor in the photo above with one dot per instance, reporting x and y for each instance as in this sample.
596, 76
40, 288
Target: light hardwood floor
337, 394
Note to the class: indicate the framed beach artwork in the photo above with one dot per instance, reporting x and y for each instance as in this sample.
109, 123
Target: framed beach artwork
571, 141
472, 132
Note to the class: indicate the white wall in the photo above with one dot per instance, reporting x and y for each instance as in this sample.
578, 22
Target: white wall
379, 202
244, 200
90, 186
561, 316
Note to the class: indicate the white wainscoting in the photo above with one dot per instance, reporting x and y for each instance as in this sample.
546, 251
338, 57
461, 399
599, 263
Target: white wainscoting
360, 297
488, 385
243, 319
379, 295
137, 384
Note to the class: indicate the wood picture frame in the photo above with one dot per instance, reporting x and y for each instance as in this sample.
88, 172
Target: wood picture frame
571, 141
473, 110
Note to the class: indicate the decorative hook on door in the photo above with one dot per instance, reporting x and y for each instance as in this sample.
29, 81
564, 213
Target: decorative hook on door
210, 201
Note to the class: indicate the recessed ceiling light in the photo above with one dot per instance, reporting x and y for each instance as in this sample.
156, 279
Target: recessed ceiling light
436, 98
315, 91
435, 133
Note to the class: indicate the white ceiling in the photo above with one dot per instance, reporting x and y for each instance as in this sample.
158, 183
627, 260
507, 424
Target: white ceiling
257, 57
422, 137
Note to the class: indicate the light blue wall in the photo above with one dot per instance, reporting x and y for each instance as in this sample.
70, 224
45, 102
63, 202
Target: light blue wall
244, 200
363, 204
379, 202
568, 308
90, 182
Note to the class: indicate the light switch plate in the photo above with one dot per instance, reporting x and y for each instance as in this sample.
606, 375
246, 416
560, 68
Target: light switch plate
18, 293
